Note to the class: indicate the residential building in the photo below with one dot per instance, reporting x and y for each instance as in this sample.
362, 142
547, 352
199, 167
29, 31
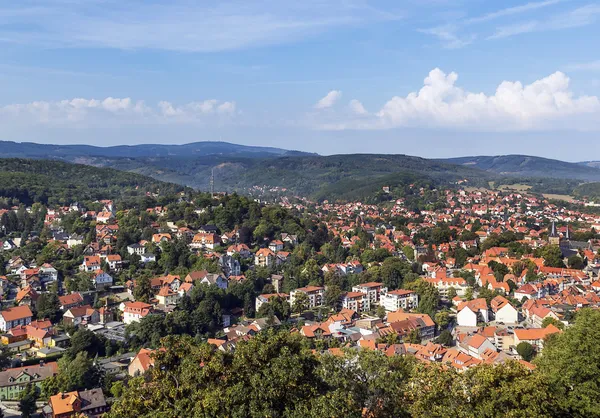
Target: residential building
91, 264
14, 381
474, 345
373, 290
70, 301
399, 299
136, 249
503, 311
91, 403
216, 280
166, 296
265, 298
135, 311
534, 336
314, 293
264, 258
81, 315
102, 280
444, 284
472, 312
141, 363
356, 301
12, 317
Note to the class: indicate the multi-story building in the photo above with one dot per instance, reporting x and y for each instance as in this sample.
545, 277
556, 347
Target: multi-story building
314, 293
264, 258
399, 299
373, 290
443, 285
356, 301
265, 298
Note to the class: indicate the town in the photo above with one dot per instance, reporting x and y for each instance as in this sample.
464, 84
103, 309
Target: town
459, 277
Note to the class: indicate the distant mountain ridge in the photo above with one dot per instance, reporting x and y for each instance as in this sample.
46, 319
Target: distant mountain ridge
344, 176
595, 164
10, 149
529, 166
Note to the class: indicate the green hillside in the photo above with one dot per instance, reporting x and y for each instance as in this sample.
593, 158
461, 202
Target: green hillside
55, 182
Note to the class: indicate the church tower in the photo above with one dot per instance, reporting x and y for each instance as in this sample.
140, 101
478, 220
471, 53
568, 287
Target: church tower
554, 238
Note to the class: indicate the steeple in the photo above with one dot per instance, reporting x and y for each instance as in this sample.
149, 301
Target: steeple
553, 238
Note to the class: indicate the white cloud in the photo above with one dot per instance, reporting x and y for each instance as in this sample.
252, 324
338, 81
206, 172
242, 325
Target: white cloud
582, 16
512, 11
329, 100
357, 107
95, 110
449, 35
584, 66
544, 104
180, 25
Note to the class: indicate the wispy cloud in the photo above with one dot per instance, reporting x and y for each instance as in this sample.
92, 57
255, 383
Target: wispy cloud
511, 11
179, 25
123, 110
448, 35
545, 104
584, 66
582, 16
453, 36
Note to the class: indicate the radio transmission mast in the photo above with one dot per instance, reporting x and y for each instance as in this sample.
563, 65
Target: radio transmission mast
212, 183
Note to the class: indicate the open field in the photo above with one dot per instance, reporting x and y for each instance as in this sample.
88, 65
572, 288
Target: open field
514, 187
564, 197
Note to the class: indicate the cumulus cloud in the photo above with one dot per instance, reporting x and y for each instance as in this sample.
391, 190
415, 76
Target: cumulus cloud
544, 104
329, 100
89, 110
357, 107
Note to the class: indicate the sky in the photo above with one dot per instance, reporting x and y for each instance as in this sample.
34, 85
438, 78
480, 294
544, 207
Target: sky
433, 78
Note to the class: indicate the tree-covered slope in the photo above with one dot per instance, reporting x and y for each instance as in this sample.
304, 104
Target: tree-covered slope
337, 176
529, 166
56, 182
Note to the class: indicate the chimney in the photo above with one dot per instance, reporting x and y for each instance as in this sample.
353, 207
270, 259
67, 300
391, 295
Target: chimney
41, 363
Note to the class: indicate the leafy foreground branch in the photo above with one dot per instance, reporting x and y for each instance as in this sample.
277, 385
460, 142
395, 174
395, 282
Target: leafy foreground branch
274, 374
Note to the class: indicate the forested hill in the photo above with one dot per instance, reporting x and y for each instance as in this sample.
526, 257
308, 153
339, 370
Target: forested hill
529, 166
81, 153
54, 182
329, 177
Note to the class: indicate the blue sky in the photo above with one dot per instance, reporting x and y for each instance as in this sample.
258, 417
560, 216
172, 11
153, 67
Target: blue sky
434, 78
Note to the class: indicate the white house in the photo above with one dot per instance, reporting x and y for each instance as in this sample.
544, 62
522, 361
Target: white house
48, 273
102, 280
529, 291
135, 311
147, 258
136, 249
475, 345
504, 311
12, 317
90, 264
471, 312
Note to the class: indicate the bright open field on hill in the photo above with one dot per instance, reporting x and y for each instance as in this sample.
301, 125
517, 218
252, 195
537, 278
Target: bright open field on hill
514, 187
564, 197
